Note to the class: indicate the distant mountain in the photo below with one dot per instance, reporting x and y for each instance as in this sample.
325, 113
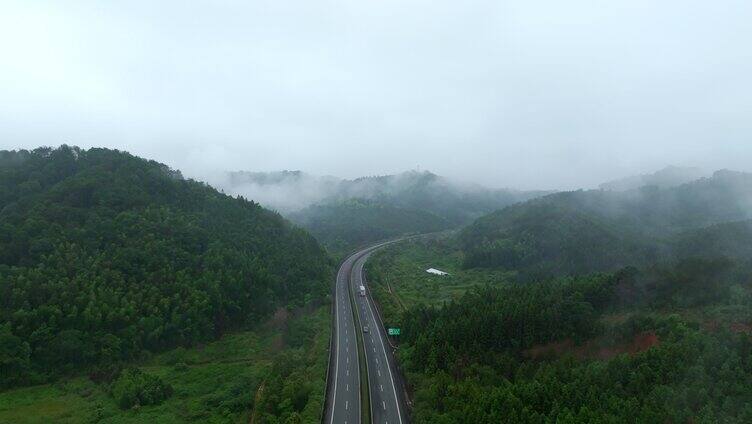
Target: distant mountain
105, 256
343, 225
291, 191
584, 231
345, 213
670, 176
456, 202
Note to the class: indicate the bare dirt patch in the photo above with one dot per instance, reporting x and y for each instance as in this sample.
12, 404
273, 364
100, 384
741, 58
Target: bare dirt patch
279, 319
740, 327
593, 349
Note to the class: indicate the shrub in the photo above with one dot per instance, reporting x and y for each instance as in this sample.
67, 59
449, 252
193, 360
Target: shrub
135, 387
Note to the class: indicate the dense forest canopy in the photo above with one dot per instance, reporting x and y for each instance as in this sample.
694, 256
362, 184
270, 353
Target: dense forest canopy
585, 231
561, 351
667, 342
104, 256
729, 239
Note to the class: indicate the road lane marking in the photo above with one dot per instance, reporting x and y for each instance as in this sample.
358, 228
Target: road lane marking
383, 348
383, 405
382, 387
336, 363
348, 387
344, 285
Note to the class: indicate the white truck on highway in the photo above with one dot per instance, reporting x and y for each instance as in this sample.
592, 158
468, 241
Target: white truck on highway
362, 290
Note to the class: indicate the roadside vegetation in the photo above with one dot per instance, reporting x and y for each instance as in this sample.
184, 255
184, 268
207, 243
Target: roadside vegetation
399, 281
273, 374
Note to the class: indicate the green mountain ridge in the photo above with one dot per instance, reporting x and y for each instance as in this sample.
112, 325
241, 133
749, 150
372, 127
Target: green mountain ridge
105, 256
387, 205
598, 230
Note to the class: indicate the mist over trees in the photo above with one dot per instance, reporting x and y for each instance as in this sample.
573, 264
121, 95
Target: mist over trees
291, 191
376, 212
670, 176
661, 334
596, 230
343, 214
106, 257
343, 225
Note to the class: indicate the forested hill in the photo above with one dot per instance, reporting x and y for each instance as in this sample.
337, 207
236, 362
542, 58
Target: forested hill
104, 255
293, 191
456, 202
343, 214
584, 231
340, 226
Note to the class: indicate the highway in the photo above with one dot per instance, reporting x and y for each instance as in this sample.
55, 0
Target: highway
344, 395
344, 403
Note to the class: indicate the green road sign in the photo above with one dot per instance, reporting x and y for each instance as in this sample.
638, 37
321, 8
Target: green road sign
394, 331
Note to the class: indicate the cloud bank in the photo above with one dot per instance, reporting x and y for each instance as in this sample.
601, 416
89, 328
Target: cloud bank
528, 94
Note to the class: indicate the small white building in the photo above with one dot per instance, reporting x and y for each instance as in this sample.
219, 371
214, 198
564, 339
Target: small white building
436, 271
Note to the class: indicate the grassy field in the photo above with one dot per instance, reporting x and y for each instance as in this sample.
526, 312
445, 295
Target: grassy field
219, 382
398, 277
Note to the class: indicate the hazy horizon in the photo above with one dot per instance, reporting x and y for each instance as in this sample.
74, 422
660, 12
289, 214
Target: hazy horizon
524, 95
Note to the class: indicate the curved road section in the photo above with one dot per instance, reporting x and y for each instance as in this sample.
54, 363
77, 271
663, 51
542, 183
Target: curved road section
343, 405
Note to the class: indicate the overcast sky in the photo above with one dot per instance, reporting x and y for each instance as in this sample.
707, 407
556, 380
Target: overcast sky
523, 93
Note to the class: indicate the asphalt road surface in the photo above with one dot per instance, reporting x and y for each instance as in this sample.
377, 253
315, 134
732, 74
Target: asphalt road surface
344, 397
344, 402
